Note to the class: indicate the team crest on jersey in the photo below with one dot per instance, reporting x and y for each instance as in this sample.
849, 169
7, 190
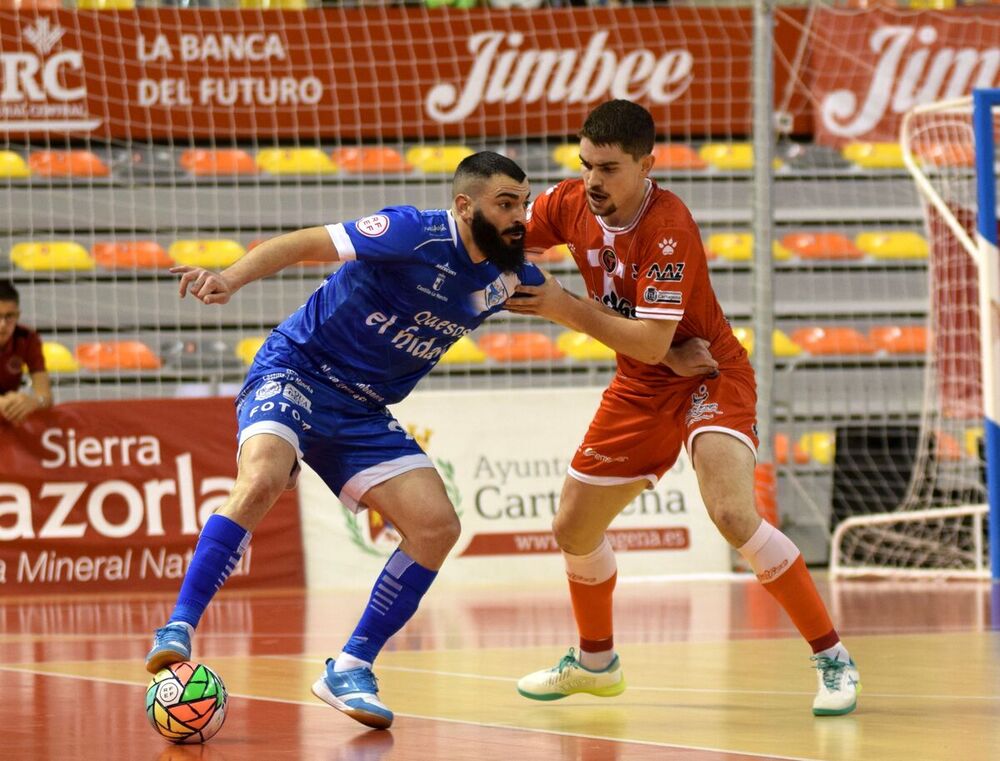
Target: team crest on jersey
496, 293
269, 389
373, 226
609, 260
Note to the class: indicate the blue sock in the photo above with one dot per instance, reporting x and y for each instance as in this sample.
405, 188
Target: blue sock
220, 547
393, 602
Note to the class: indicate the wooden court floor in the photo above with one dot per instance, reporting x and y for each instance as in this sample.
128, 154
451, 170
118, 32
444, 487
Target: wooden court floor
714, 670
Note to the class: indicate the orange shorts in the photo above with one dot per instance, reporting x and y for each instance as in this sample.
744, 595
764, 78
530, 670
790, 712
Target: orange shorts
638, 431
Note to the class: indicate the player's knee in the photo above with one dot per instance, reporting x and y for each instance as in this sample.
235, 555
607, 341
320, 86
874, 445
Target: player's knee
567, 535
259, 489
734, 521
438, 531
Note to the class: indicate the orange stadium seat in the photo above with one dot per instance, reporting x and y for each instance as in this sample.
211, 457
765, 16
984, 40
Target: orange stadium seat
227, 161
528, 346
58, 359
946, 447
781, 450
946, 153
676, 156
437, 159
12, 165
53, 256
247, 348
836, 340
295, 161
583, 347
213, 254
30, 5
116, 355
370, 160
874, 155
896, 339
551, 255
821, 246
893, 245
463, 352
131, 254
67, 164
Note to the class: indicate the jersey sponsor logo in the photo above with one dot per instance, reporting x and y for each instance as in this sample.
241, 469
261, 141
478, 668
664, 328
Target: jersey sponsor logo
620, 304
295, 396
668, 273
701, 408
267, 390
655, 296
667, 246
609, 260
373, 226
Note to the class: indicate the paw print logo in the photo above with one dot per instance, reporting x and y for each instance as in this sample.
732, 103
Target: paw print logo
668, 246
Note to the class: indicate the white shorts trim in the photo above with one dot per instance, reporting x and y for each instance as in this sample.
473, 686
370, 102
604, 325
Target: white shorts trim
273, 427
352, 492
342, 242
612, 480
719, 429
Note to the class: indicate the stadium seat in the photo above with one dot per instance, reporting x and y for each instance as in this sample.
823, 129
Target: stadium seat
893, 245
551, 255
781, 344
836, 340
130, 254
295, 161
738, 247
105, 5
960, 154
285, 5
67, 164
146, 163
567, 156
528, 346
203, 162
874, 155
370, 160
58, 256
30, 5
247, 348
821, 246
973, 441
808, 156
781, 450
116, 355
463, 352
12, 165
946, 447
728, 156
583, 347
900, 339
58, 359
212, 254
437, 159
819, 446
676, 156
199, 354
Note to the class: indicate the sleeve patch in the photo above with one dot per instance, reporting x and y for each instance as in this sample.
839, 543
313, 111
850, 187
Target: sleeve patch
373, 226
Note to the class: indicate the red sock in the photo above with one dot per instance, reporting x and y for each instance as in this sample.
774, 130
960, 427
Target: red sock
592, 580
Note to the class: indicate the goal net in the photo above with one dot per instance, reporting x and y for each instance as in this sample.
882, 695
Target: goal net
939, 527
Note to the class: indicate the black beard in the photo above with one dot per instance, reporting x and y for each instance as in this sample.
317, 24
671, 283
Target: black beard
506, 258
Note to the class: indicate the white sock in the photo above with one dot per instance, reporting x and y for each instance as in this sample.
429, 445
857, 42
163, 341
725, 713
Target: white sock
346, 662
837, 652
596, 661
186, 625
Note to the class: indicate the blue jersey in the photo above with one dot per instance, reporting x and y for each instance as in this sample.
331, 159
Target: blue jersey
407, 290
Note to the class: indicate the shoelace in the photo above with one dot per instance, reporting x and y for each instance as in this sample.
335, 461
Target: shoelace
567, 660
366, 681
832, 671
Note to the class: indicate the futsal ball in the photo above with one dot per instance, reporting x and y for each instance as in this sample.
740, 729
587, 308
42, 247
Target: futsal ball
186, 702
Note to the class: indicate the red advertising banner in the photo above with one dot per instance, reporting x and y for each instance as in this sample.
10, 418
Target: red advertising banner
868, 68
111, 496
385, 73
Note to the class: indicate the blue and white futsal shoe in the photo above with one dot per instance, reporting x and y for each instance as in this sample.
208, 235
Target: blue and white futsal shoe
171, 644
355, 693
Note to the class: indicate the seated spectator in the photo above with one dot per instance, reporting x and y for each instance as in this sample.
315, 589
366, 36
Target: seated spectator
20, 347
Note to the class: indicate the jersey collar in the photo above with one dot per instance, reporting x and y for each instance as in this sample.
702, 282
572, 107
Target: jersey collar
638, 215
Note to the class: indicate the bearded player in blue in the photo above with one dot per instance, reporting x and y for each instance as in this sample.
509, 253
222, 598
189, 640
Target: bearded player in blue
411, 284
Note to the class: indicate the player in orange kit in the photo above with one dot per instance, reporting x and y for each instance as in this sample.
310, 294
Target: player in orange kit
647, 279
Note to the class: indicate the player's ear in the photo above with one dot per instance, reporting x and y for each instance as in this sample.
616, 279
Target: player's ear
463, 205
646, 164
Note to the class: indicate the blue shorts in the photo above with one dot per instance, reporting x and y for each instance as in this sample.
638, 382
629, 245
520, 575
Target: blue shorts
351, 446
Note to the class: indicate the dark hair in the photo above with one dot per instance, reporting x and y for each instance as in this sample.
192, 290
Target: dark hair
479, 167
623, 123
8, 292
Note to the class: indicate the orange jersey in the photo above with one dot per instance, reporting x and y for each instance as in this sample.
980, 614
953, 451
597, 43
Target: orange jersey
653, 268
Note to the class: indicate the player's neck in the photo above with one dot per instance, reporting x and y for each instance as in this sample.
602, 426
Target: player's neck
625, 214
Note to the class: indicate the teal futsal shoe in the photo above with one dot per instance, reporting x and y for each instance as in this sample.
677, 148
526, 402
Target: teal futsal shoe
569, 677
355, 693
839, 685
